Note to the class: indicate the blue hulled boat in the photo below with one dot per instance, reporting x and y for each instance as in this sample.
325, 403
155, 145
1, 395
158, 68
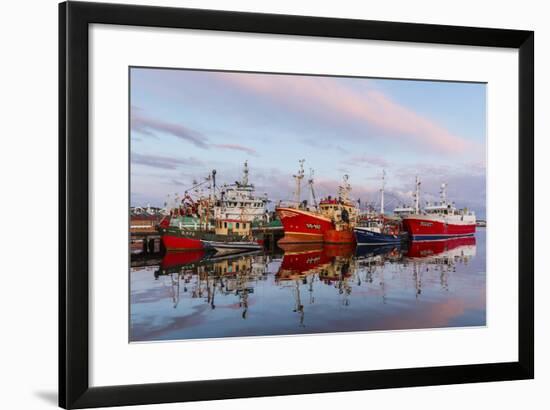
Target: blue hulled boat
378, 229
373, 235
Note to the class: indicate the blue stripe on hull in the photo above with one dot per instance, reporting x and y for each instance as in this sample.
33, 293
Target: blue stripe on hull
367, 237
437, 237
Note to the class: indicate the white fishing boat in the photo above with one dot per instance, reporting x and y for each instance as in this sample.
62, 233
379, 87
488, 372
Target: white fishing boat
239, 201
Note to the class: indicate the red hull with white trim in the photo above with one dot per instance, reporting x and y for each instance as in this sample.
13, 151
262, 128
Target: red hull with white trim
302, 226
425, 227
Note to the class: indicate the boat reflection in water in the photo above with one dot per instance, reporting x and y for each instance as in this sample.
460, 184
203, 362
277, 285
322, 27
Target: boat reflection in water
441, 256
203, 274
311, 288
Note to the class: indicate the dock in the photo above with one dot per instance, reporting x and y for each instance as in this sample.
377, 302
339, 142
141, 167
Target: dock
271, 235
147, 241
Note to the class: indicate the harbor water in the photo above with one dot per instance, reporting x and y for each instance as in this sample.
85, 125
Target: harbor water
307, 289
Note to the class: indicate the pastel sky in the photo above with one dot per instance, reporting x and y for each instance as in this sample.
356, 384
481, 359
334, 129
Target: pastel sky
184, 123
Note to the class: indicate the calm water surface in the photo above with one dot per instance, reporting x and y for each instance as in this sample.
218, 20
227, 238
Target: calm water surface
310, 289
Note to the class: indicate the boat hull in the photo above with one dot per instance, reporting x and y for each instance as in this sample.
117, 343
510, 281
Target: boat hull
332, 236
181, 243
245, 245
368, 237
186, 240
428, 229
302, 226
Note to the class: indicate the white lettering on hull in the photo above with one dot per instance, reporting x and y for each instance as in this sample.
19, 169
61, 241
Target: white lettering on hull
313, 226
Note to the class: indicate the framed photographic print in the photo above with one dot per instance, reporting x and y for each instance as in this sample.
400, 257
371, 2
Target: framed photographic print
271, 199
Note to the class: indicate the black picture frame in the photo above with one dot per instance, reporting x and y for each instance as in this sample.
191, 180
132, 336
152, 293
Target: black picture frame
74, 388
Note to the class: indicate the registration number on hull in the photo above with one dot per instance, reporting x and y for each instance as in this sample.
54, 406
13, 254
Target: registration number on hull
313, 226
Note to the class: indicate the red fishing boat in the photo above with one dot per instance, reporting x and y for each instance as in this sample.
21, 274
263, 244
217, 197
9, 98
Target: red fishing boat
181, 229
330, 221
222, 224
441, 220
227, 236
344, 214
302, 226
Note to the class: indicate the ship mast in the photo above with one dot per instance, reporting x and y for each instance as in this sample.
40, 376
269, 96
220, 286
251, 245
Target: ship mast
417, 196
344, 189
312, 191
244, 181
382, 192
214, 183
298, 178
443, 193
210, 186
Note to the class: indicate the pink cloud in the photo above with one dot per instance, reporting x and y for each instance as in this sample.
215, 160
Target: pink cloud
150, 126
371, 106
